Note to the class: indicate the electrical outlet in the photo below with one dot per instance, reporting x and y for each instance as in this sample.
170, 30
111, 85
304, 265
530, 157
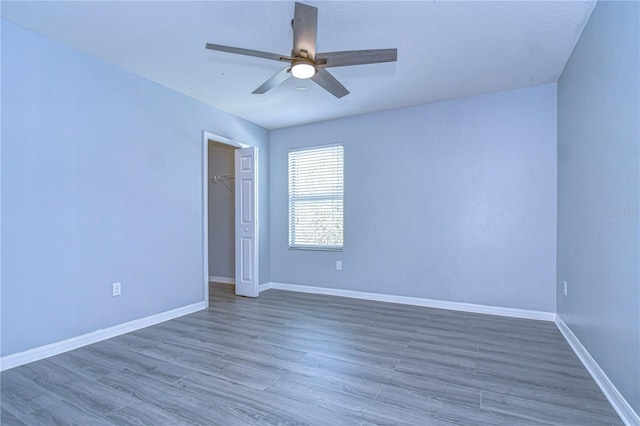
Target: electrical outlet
565, 288
116, 289
338, 265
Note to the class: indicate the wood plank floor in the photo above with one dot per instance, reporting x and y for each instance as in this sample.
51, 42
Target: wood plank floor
290, 358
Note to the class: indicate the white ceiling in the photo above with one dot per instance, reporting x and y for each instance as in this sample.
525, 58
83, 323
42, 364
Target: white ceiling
446, 49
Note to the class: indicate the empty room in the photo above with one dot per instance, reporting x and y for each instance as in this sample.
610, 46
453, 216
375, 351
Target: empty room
320, 213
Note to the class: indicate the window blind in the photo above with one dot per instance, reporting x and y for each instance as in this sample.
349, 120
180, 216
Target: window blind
316, 192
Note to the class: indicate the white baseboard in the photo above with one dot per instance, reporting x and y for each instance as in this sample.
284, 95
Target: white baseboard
263, 287
223, 280
416, 301
35, 354
622, 407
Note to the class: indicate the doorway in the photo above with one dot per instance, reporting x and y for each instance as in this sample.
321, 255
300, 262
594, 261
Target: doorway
221, 217
230, 234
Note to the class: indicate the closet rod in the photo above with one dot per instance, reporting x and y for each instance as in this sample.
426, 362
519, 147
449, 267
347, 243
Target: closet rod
223, 179
220, 177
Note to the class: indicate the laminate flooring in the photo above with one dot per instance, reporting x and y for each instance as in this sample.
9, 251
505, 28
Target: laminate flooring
291, 359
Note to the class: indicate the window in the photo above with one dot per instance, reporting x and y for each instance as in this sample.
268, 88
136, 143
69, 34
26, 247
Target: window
315, 197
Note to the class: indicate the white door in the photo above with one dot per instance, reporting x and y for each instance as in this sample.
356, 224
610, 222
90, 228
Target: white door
246, 174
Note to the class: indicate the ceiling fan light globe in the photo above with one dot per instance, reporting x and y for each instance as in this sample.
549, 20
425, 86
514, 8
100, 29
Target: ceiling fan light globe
303, 70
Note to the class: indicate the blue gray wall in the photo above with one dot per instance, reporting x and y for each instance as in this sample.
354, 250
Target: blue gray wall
454, 201
598, 193
101, 182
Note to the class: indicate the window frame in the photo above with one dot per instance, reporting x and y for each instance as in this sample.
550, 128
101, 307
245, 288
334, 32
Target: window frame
329, 197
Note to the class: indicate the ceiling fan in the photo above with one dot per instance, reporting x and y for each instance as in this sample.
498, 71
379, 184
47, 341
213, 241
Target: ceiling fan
305, 62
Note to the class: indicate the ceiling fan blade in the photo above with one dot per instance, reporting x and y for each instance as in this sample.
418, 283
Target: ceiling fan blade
305, 30
278, 78
329, 83
247, 52
357, 57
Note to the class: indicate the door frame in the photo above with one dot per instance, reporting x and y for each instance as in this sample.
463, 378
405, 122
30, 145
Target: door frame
206, 137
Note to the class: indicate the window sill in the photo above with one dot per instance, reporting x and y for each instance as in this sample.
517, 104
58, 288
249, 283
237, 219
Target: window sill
317, 248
